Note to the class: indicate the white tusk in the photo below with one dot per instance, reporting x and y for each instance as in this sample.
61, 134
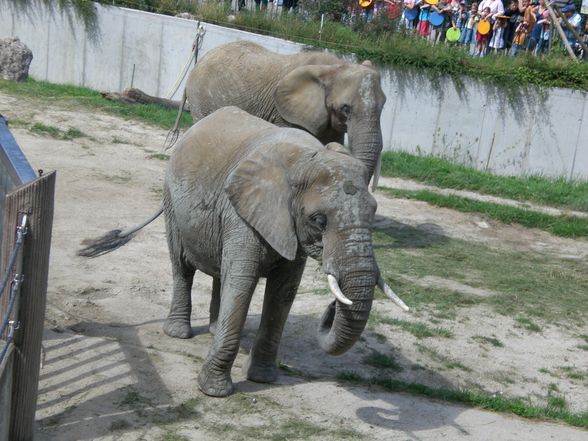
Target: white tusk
388, 291
334, 287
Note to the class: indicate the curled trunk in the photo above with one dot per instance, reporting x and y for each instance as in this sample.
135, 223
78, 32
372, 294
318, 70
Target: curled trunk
341, 325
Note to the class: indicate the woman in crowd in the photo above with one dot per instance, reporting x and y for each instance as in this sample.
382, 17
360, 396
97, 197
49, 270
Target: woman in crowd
524, 28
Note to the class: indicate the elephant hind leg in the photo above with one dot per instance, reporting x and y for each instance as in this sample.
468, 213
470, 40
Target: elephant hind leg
177, 323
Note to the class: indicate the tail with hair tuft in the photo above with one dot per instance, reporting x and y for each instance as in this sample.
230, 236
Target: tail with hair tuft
104, 244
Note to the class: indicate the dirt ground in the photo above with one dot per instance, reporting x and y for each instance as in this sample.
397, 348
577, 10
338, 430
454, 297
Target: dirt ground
109, 372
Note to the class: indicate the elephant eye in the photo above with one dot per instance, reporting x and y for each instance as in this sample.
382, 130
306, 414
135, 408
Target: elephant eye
319, 220
345, 109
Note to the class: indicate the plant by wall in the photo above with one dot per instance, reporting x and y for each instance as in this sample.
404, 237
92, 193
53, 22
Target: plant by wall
380, 42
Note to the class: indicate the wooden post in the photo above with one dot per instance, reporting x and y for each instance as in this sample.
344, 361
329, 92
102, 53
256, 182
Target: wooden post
35, 199
572, 30
560, 31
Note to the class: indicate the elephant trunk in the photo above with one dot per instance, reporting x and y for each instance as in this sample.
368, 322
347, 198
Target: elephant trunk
365, 142
342, 324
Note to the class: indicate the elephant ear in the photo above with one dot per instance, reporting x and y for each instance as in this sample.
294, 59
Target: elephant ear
300, 97
260, 192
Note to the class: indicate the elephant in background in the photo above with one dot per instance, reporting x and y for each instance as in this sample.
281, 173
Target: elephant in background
315, 91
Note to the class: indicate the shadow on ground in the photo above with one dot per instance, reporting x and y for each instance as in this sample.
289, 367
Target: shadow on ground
106, 378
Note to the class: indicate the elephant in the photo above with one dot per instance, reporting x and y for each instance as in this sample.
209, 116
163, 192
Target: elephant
244, 199
314, 91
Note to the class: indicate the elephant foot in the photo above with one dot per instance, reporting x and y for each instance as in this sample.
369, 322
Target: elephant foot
212, 327
214, 384
177, 328
260, 372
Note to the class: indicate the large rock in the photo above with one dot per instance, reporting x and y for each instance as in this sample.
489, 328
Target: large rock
15, 59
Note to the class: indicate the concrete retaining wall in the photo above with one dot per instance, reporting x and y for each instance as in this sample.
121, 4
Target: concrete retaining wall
537, 132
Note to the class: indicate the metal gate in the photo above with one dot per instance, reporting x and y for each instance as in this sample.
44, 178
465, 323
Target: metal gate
26, 216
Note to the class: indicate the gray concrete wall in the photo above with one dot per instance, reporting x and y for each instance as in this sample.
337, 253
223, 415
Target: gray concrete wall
532, 132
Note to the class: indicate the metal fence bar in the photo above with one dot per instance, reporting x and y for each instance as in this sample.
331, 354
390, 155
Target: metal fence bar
15, 170
6, 390
20, 234
36, 199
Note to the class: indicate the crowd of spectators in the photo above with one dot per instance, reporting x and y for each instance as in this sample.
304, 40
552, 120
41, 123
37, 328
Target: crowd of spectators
487, 26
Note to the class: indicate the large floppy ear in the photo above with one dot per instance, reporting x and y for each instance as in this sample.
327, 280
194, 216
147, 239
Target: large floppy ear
260, 192
300, 97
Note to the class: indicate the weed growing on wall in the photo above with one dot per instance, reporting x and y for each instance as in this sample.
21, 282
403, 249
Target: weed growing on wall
380, 43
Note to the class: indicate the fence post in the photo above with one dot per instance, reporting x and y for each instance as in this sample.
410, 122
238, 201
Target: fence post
36, 199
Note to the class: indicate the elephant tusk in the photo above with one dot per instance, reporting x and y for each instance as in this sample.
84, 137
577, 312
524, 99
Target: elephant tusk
388, 291
334, 287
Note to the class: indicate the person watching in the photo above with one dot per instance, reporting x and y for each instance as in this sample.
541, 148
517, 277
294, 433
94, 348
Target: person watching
574, 19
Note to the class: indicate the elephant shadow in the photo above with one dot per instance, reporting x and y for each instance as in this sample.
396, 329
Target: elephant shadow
389, 398
402, 235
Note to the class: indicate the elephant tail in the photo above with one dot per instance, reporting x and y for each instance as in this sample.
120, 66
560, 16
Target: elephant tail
114, 239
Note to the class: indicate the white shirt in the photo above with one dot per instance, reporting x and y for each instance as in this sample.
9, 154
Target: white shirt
496, 7
575, 20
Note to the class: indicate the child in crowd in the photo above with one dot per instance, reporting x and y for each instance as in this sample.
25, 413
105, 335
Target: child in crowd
497, 40
482, 39
514, 18
408, 19
545, 23
424, 27
524, 27
460, 16
443, 8
470, 20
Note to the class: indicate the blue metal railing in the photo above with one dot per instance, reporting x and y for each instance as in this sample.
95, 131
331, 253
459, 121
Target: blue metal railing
15, 170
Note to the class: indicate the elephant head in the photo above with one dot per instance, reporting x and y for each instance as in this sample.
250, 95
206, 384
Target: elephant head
315, 202
331, 100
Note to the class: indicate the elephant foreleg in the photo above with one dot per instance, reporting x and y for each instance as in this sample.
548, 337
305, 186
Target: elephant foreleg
214, 305
239, 277
282, 285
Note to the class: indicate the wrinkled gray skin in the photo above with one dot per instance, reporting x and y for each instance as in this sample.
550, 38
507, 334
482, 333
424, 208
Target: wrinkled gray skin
244, 199
315, 91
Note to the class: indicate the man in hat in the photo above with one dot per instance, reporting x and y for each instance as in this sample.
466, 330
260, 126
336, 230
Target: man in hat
574, 19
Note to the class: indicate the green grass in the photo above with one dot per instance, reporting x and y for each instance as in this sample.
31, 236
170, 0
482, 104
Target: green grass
490, 340
481, 399
573, 373
541, 288
418, 329
382, 361
172, 435
440, 172
528, 324
55, 132
564, 226
83, 97
159, 156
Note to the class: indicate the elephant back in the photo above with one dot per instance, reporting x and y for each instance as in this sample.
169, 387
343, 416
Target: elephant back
202, 152
245, 75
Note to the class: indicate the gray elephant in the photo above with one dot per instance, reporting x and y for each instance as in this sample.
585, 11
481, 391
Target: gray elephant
245, 199
315, 91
